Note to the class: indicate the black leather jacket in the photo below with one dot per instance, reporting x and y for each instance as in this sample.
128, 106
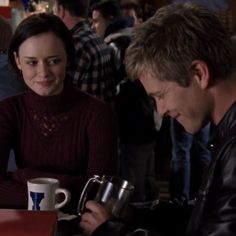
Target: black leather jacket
214, 213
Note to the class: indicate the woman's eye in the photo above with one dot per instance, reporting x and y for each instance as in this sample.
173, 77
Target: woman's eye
54, 61
31, 63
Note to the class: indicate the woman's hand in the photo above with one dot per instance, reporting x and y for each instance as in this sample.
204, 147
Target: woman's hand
95, 216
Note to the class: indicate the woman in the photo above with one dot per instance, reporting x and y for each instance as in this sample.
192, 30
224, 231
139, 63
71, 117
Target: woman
54, 130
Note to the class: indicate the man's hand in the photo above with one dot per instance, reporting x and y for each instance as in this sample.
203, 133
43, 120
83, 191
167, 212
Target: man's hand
95, 216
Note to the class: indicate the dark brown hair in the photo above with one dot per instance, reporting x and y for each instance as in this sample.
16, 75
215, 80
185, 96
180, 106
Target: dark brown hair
37, 24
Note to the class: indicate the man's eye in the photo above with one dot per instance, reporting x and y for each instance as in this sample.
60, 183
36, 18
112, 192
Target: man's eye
160, 97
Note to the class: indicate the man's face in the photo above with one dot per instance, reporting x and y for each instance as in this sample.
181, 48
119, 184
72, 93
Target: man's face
131, 12
188, 105
55, 7
99, 23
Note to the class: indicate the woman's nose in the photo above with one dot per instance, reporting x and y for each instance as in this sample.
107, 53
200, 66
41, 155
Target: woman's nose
43, 69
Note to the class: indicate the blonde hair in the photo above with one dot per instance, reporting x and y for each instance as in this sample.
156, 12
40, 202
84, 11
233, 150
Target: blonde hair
167, 43
5, 35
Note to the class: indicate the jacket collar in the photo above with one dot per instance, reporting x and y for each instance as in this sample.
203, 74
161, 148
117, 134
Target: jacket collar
223, 131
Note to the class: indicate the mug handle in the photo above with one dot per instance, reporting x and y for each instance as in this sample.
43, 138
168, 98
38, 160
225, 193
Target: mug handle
83, 196
66, 200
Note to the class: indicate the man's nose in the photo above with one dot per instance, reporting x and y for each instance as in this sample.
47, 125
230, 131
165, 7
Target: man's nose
161, 108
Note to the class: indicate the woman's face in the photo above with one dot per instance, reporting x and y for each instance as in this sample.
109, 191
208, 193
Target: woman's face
43, 61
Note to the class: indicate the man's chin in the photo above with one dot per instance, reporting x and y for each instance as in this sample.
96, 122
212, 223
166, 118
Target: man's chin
191, 130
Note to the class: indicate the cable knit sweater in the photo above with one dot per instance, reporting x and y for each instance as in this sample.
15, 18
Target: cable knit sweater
70, 136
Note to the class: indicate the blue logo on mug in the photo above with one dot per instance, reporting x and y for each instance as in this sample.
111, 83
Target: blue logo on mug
36, 199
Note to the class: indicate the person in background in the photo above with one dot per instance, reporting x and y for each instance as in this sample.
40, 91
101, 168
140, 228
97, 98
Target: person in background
108, 23
150, 6
107, 18
190, 158
131, 8
54, 129
138, 132
10, 83
228, 17
135, 110
93, 71
183, 58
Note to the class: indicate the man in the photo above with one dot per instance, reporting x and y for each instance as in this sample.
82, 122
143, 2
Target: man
109, 24
93, 66
131, 8
107, 18
186, 171
183, 58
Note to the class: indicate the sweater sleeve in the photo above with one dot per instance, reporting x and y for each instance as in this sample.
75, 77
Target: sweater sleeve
13, 194
7, 124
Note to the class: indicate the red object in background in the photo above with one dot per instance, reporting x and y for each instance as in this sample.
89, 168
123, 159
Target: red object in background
27, 223
5, 12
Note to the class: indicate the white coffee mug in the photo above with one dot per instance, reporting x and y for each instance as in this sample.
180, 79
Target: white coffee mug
43, 192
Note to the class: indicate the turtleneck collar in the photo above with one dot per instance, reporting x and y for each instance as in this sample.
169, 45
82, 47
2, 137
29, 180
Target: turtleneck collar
48, 104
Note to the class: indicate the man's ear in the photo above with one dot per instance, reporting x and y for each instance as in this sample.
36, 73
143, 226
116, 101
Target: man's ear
201, 73
17, 60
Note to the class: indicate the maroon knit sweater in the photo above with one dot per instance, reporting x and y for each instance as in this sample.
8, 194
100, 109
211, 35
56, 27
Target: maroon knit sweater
70, 136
